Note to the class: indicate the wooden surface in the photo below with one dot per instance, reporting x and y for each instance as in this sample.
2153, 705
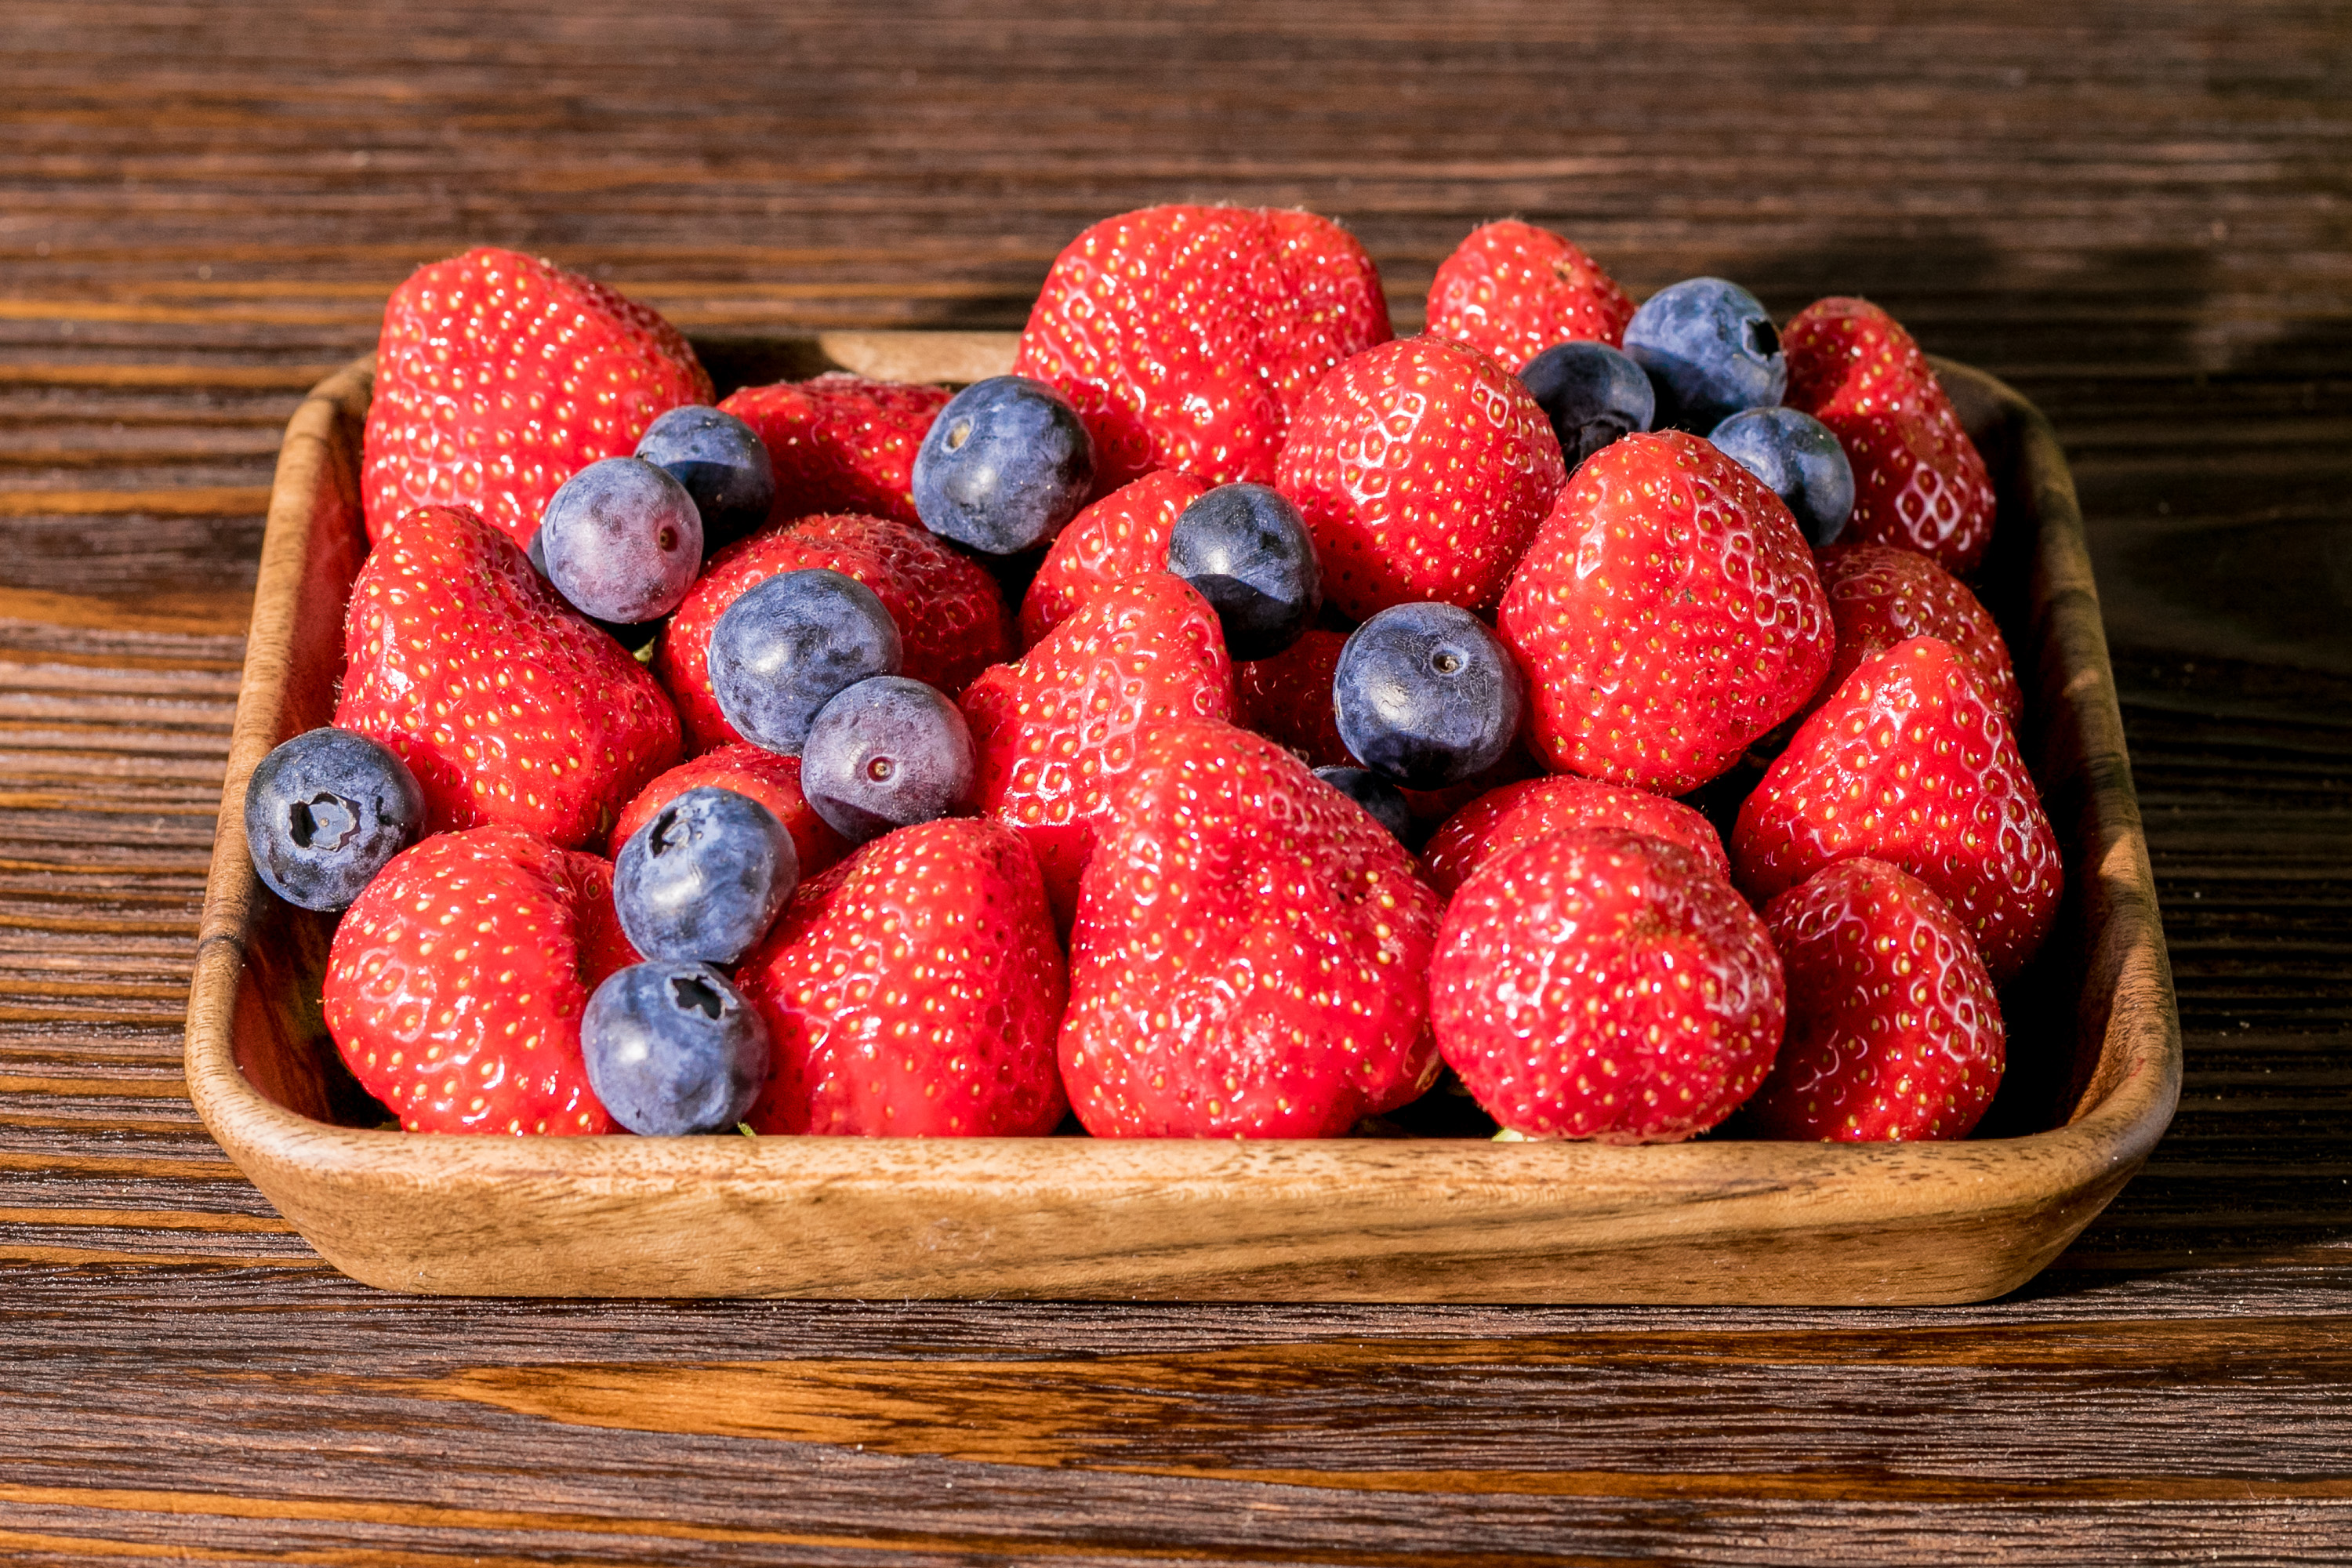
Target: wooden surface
2139, 214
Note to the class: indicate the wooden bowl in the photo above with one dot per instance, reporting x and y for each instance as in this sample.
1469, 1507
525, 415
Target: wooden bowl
2094, 1057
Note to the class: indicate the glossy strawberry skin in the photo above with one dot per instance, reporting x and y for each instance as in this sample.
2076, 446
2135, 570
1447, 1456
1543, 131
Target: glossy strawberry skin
1602, 983
1911, 763
1119, 536
456, 983
1513, 291
1894, 1031
505, 703
1880, 596
1248, 954
1422, 468
841, 443
1666, 615
498, 376
762, 775
1502, 819
914, 991
1185, 336
1287, 698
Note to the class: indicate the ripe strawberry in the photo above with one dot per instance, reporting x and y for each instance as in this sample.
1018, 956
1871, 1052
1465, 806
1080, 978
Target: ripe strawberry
1666, 615
841, 443
1602, 983
1501, 820
1513, 291
1054, 731
1879, 596
950, 617
456, 983
1248, 956
506, 705
762, 775
498, 376
1186, 336
1423, 468
1919, 481
1117, 537
1893, 1030
913, 991
1287, 698
1910, 762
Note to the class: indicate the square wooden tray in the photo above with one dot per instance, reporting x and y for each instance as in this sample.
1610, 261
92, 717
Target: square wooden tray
2094, 1053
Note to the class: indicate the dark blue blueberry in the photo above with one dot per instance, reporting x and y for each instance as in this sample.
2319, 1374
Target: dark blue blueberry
790, 644
1248, 552
1374, 794
1428, 695
704, 879
621, 540
673, 1049
1591, 394
324, 812
638, 636
1800, 459
723, 465
1004, 466
1710, 351
887, 752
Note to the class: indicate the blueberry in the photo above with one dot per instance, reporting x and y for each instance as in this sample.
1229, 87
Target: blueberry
1374, 794
637, 636
621, 540
1800, 459
1591, 394
674, 1048
1710, 351
1248, 552
1004, 466
705, 878
324, 812
1426, 694
887, 752
723, 465
783, 650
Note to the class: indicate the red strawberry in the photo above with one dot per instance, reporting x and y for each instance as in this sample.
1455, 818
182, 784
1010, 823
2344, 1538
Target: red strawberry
1919, 481
841, 443
506, 706
761, 775
1910, 762
1514, 290
1879, 596
1501, 820
1186, 335
1893, 1030
1248, 956
1054, 731
1668, 615
951, 616
1117, 537
1603, 984
500, 376
456, 983
1287, 698
1422, 468
913, 991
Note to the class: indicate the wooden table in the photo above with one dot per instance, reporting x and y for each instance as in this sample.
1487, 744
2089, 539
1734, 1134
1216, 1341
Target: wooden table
2139, 214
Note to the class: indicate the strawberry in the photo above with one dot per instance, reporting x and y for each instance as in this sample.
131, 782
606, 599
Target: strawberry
1602, 984
762, 775
1910, 762
506, 705
1879, 596
1919, 481
913, 991
1054, 731
1422, 468
1502, 819
841, 443
951, 616
1287, 698
457, 980
1117, 537
1186, 336
498, 376
1666, 615
1894, 1029
1513, 291
1248, 956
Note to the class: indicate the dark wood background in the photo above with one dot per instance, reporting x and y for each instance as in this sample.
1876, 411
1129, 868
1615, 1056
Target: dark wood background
2138, 213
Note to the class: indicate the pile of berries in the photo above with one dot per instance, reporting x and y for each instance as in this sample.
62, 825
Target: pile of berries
1236, 723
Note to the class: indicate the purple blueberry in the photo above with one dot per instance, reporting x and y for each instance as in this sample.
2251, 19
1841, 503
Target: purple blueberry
1377, 796
1591, 394
622, 541
1004, 466
1800, 459
1247, 550
674, 1048
705, 878
887, 752
1427, 695
325, 812
1709, 349
723, 465
790, 644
